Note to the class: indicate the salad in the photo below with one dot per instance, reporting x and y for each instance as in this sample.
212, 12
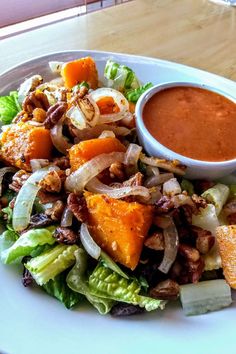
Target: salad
88, 215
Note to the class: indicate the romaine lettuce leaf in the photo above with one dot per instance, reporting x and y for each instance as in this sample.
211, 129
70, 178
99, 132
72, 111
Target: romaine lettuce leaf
217, 195
108, 284
59, 289
133, 95
27, 242
51, 263
9, 107
77, 280
206, 219
7, 239
120, 77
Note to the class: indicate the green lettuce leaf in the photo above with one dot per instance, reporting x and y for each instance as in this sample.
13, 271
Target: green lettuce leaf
133, 95
7, 239
77, 280
9, 107
51, 263
27, 242
217, 195
59, 289
120, 77
108, 284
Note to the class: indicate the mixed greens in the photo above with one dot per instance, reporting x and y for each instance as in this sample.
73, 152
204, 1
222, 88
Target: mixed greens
89, 216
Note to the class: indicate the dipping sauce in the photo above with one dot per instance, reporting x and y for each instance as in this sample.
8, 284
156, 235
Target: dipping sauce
193, 122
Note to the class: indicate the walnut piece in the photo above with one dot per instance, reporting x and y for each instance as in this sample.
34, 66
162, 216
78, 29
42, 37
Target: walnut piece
52, 182
35, 99
18, 180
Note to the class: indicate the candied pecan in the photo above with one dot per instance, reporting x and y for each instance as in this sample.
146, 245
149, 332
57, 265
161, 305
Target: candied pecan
35, 99
117, 171
155, 241
204, 239
40, 220
188, 252
54, 114
199, 201
135, 180
62, 162
39, 115
53, 181
124, 309
166, 290
65, 235
232, 219
18, 180
188, 212
78, 207
196, 270
55, 212
164, 205
45, 197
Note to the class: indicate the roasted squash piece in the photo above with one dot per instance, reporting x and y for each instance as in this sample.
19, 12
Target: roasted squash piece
22, 142
119, 227
226, 237
87, 149
76, 71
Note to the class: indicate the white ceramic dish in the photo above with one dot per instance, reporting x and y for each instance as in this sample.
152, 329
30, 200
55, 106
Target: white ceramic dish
195, 168
31, 322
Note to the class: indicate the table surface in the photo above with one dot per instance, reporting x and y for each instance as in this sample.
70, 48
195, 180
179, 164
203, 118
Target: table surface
198, 33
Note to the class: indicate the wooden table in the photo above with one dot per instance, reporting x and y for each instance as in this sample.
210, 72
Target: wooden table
193, 32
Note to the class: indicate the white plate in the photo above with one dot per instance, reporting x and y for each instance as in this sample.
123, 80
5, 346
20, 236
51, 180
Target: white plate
31, 322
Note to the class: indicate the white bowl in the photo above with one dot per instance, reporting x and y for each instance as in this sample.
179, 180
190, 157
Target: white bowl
196, 169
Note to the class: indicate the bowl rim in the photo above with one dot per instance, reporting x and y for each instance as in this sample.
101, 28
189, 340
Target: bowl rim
145, 97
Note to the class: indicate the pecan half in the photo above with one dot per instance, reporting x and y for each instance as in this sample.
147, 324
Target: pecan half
78, 207
155, 241
65, 235
204, 239
62, 162
166, 290
188, 252
54, 114
18, 180
35, 99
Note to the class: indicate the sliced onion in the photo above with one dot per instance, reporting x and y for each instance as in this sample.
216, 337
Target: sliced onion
84, 114
158, 179
132, 154
66, 219
89, 244
171, 240
152, 171
29, 85
78, 179
118, 98
171, 166
25, 198
96, 186
55, 66
107, 134
155, 195
58, 140
36, 164
94, 132
171, 187
3, 171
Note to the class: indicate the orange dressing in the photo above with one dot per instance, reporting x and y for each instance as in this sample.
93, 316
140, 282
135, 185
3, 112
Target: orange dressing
193, 122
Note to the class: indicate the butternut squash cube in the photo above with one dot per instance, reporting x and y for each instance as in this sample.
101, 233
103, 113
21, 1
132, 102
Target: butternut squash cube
87, 149
119, 227
23, 142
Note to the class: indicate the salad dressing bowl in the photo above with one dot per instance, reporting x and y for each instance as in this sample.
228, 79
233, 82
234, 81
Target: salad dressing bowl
196, 169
